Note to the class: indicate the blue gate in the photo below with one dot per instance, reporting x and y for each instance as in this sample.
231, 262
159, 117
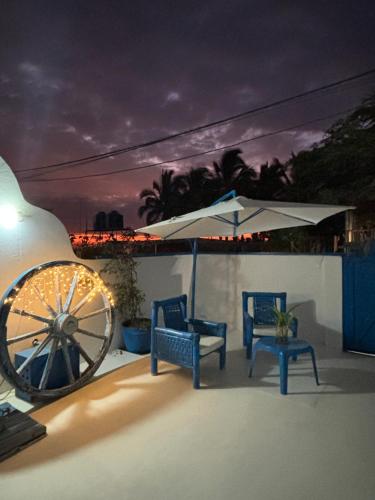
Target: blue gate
359, 303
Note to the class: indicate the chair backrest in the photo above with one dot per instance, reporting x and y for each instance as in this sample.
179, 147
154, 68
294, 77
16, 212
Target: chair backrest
174, 312
263, 305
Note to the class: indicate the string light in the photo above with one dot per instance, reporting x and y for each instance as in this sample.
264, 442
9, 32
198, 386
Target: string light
88, 284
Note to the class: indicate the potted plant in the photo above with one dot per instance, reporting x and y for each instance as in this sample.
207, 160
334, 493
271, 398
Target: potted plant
122, 272
283, 322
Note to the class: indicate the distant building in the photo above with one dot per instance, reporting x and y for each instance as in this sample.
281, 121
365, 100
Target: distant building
113, 221
100, 223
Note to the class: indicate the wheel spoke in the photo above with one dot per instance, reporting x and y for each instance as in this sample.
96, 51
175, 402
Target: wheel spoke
69, 297
94, 313
83, 353
92, 334
58, 293
27, 335
48, 366
81, 303
31, 315
37, 351
44, 302
68, 363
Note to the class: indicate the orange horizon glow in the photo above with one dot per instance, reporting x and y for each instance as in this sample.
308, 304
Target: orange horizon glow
99, 237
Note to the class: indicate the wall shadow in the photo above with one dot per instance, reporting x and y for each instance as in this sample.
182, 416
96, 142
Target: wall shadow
333, 380
308, 326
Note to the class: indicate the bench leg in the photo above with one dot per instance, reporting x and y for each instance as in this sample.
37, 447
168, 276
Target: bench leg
196, 376
283, 363
249, 349
154, 366
222, 357
252, 362
314, 365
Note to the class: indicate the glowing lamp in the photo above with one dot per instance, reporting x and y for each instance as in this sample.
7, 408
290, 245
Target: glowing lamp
8, 216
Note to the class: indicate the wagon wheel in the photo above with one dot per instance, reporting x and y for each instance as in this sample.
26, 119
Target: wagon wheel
56, 325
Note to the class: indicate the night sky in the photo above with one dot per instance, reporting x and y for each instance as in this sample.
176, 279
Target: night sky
79, 78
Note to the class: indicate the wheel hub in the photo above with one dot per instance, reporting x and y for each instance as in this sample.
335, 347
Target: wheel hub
66, 324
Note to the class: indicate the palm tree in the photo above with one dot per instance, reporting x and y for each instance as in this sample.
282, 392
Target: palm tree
163, 200
272, 181
194, 186
232, 173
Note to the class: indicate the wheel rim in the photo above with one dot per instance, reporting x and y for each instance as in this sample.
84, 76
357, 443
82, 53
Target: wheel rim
67, 309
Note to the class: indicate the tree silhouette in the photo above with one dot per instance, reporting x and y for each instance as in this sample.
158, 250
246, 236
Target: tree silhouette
272, 181
163, 200
194, 186
231, 172
339, 169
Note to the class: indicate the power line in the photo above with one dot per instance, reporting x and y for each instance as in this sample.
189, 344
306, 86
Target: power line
195, 155
119, 151
329, 92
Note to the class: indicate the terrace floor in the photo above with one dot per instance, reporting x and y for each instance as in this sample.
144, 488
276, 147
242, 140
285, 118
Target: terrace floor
131, 436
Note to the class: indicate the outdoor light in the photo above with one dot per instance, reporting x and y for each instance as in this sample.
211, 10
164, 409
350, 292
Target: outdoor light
8, 216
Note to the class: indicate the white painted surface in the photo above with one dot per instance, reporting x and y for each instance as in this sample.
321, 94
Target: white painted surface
131, 436
312, 281
37, 237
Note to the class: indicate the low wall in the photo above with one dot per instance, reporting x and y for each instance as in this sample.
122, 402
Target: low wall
314, 282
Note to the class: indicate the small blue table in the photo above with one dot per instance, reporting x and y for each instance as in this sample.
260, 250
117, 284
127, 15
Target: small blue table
283, 351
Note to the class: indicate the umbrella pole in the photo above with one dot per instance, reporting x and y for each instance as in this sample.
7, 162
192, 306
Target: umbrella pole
193, 277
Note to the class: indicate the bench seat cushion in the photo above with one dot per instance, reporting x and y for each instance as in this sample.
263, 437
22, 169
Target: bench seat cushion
209, 344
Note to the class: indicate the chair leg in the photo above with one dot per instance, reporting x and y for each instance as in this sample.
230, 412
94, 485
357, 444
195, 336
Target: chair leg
252, 363
314, 365
283, 362
294, 357
222, 354
249, 349
196, 376
154, 366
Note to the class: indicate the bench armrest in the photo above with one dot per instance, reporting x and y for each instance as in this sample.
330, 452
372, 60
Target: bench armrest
176, 333
211, 328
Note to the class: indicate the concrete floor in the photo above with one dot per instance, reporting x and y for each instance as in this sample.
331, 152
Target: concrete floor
131, 436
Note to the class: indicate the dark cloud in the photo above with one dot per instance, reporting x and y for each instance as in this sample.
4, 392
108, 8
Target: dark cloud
82, 77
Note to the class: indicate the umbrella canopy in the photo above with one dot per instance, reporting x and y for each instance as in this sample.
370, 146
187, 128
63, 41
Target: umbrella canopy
233, 215
241, 215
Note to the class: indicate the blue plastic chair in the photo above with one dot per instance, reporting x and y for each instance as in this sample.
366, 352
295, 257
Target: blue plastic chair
184, 342
263, 321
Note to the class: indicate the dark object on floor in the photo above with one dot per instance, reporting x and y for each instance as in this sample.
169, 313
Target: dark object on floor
17, 431
58, 376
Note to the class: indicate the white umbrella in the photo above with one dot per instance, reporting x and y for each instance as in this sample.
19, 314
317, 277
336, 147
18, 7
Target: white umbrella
239, 215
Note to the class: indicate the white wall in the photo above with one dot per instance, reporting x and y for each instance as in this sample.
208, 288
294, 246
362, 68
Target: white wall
37, 237
312, 281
